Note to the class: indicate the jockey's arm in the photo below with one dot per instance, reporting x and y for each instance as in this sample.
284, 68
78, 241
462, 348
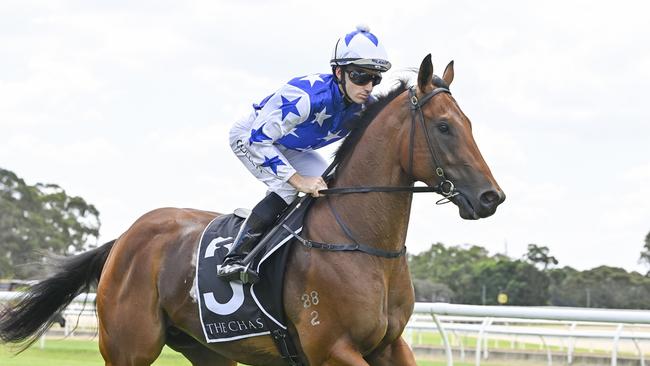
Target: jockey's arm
271, 125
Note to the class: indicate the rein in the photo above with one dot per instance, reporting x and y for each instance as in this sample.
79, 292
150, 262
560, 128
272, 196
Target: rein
445, 187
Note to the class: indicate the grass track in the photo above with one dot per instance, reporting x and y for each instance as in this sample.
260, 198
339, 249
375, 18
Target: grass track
86, 353
74, 353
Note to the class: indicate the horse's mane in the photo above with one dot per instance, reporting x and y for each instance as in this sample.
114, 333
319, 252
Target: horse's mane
360, 123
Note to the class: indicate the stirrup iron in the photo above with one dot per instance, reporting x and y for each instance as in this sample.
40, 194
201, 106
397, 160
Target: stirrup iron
237, 271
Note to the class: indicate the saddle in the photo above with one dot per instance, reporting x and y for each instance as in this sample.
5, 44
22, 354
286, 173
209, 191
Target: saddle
232, 310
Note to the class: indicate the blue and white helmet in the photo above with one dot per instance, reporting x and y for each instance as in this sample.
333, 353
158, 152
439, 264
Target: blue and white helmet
361, 48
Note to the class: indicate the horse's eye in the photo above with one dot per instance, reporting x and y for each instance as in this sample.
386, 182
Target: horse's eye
443, 128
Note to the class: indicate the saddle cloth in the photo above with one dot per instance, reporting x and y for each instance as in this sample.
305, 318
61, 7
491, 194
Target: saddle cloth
232, 310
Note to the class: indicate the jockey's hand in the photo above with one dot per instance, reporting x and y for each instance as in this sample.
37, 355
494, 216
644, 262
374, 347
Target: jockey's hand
310, 185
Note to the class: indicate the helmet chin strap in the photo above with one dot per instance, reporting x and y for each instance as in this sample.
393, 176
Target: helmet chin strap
341, 83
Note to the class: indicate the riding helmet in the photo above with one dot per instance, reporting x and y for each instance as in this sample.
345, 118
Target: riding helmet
360, 48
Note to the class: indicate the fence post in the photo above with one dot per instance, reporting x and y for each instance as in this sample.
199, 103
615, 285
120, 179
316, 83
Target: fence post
641, 357
549, 356
617, 336
445, 340
572, 343
479, 340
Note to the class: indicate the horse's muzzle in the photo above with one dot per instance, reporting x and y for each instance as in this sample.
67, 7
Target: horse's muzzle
489, 201
485, 206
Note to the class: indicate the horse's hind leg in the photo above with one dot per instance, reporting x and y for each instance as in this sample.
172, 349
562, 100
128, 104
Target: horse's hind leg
201, 356
131, 322
130, 337
195, 352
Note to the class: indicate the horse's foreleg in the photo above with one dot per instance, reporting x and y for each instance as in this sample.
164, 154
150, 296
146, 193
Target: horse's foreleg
397, 353
342, 354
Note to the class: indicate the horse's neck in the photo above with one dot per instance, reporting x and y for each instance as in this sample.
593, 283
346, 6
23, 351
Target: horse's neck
377, 219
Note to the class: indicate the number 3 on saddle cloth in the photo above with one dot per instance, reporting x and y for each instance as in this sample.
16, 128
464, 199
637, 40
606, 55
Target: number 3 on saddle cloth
232, 310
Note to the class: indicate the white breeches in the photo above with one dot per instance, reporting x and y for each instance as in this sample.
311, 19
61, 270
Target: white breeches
307, 163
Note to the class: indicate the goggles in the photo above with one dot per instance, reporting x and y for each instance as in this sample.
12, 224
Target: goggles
359, 77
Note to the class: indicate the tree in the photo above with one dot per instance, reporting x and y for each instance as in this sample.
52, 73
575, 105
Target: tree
441, 263
451, 266
602, 287
645, 254
465, 270
40, 218
427, 291
540, 255
522, 282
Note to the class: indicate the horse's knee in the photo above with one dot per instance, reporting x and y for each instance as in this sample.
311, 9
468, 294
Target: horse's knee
344, 354
396, 353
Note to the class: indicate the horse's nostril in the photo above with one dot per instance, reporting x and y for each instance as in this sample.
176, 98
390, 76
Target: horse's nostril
489, 198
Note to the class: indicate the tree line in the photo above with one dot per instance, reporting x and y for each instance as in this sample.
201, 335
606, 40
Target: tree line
469, 275
40, 219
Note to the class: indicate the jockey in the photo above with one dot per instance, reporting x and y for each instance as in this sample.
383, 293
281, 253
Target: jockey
276, 142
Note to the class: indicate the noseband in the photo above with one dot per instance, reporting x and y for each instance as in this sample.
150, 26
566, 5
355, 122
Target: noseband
445, 187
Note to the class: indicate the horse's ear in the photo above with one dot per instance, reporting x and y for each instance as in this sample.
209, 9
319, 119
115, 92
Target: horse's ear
448, 75
425, 74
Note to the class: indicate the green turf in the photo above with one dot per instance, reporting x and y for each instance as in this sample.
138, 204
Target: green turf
73, 353
86, 353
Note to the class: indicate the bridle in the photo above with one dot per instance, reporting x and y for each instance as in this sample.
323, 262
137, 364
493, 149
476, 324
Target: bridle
445, 187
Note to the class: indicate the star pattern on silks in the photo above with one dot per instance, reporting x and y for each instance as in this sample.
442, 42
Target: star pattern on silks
289, 106
313, 79
273, 163
293, 133
309, 147
331, 136
321, 116
258, 135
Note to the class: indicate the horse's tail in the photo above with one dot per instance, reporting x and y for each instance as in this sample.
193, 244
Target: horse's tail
34, 311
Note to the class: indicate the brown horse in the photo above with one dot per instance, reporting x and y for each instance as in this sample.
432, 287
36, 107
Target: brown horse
344, 308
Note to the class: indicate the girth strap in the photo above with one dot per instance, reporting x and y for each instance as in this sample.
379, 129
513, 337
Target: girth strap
285, 345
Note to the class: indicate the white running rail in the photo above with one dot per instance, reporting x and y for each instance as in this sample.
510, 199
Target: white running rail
484, 320
485, 317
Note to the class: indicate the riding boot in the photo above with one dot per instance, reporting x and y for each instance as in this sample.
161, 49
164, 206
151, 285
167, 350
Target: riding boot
258, 222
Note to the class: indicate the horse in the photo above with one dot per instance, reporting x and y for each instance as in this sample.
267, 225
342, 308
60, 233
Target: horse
343, 308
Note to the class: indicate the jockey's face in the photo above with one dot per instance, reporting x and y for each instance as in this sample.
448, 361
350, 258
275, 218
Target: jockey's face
357, 93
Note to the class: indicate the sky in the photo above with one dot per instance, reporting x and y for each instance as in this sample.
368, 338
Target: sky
128, 105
